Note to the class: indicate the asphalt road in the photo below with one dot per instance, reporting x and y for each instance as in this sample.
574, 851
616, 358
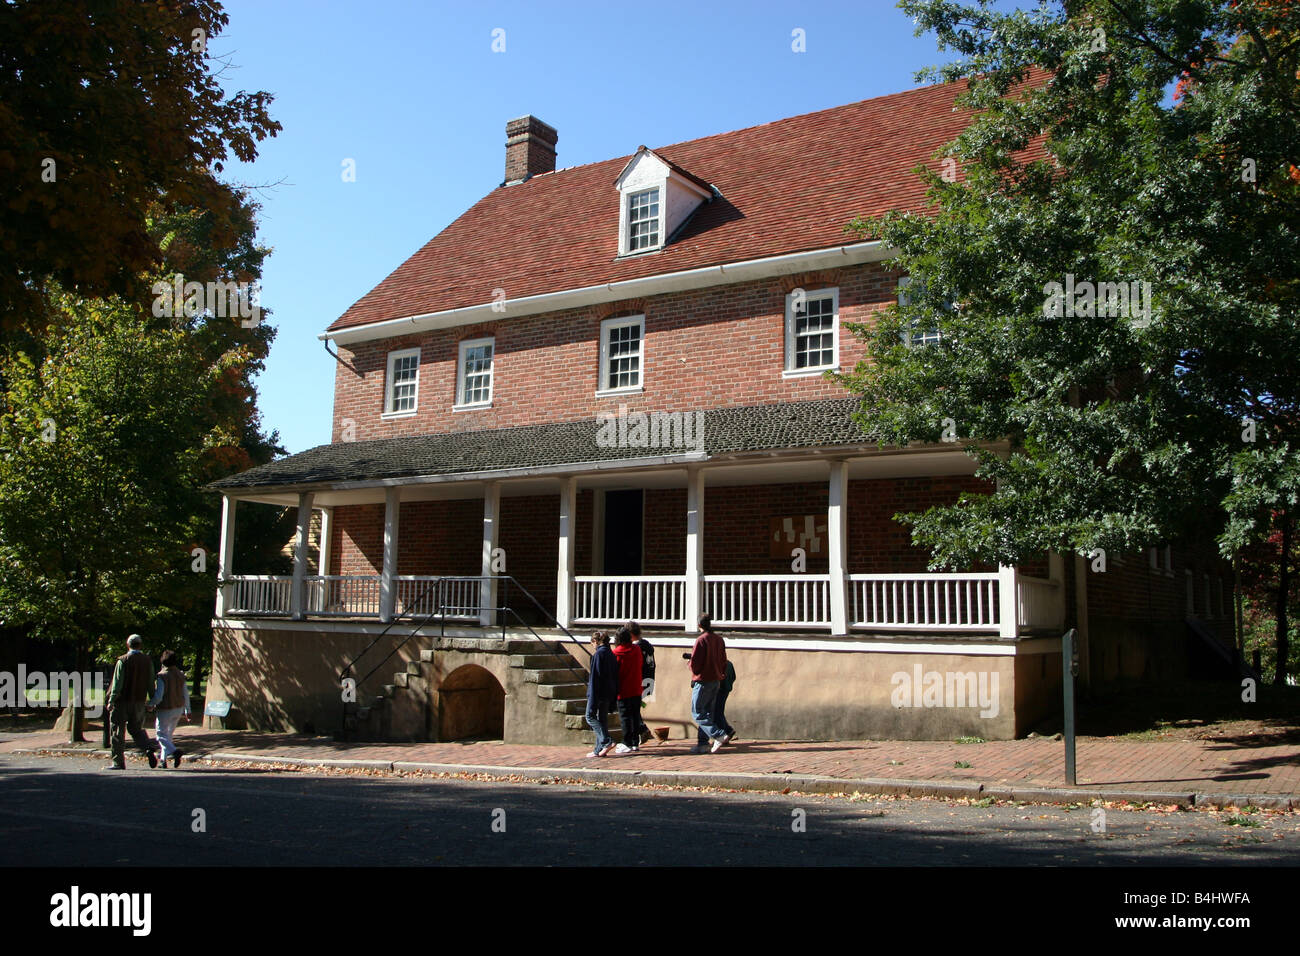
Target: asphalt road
70, 812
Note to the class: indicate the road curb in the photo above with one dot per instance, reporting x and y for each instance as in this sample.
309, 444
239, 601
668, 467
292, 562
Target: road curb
804, 783
759, 782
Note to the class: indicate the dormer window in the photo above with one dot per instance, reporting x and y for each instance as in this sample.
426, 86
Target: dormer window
656, 198
643, 220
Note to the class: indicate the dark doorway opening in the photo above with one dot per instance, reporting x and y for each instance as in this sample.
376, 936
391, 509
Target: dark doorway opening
623, 529
471, 705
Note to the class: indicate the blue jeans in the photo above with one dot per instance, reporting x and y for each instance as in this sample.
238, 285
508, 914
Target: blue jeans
719, 716
597, 715
703, 696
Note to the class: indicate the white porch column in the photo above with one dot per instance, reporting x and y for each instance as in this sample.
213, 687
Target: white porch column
1081, 617
564, 573
1056, 574
836, 533
1008, 602
388, 574
326, 548
226, 555
491, 534
694, 544
301, 545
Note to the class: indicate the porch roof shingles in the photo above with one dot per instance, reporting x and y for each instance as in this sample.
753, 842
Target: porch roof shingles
726, 431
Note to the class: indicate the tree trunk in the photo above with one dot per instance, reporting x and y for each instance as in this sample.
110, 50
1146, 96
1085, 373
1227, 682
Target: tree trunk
76, 703
1283, 595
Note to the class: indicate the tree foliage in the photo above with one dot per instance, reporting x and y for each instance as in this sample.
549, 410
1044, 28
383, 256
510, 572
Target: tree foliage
1117, 141
109, 109
111, 422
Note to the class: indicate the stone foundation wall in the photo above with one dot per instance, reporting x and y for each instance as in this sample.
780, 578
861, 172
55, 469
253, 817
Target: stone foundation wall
282, 679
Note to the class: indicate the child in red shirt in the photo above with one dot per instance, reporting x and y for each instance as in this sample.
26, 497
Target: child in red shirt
629, 690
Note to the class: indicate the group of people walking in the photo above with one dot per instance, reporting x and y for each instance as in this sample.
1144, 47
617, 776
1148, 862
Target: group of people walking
134, 690
623, 674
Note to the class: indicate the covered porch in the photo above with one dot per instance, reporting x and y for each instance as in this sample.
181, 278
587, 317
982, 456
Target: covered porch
801, 541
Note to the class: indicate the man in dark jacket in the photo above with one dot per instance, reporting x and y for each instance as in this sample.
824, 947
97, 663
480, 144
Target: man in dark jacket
602, 692
708, 662
132, 686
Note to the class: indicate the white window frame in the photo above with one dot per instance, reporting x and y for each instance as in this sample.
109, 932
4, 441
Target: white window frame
602, 380
661, 190
833, 293
389, 384
460, 403
908, 333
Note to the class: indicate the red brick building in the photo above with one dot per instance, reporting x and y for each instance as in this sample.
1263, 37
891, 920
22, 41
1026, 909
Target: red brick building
601, 394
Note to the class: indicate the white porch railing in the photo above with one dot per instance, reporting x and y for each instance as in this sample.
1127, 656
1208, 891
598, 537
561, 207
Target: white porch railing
964, 602
768, 600
940, 601
259, 594
341, 595
1040, 604
458, 596
351, 595
618, 599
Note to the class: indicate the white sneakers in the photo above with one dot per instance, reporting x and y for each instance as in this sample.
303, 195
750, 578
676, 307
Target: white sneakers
720, 743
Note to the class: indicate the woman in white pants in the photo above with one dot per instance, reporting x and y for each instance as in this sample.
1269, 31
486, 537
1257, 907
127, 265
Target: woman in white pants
171, 696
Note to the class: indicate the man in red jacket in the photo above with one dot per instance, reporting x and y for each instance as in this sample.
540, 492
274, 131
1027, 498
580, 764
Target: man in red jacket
708, 664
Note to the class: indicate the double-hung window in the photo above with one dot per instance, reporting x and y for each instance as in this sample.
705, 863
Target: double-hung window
474, 373
403, 382
913, 335
621, 353
643, 220
812, 331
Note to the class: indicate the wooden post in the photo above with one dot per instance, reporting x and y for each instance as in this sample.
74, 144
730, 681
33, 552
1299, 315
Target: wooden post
388, 573
836, 531
225, 556
694, 544
1008, 602
564, 572
326, 531
491, 535
300, 546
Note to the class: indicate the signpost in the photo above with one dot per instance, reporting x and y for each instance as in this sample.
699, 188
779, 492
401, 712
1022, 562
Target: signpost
219, 709
1069, 671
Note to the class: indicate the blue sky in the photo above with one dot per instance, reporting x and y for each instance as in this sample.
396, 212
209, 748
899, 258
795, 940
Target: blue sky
413, 92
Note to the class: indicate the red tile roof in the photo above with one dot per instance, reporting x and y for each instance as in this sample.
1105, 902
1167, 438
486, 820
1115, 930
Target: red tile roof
786, 186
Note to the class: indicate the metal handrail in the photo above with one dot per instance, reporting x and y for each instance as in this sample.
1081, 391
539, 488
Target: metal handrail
441, 613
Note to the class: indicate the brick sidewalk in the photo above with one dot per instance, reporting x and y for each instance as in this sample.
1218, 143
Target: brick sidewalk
1237, 766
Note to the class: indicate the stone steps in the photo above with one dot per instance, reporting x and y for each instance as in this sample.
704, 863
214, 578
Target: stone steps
559, 678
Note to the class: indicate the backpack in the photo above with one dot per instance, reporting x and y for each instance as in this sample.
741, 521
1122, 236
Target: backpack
647, 659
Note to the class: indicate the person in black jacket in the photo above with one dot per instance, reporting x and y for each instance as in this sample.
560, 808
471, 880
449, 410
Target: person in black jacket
647, 671
602, 692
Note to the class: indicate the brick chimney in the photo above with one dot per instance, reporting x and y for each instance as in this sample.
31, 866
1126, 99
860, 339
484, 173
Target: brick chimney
530, 148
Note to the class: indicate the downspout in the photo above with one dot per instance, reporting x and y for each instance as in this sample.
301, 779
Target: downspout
338, 358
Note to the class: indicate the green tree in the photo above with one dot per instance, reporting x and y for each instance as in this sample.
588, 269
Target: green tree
109, 108
1106, 423
111, 422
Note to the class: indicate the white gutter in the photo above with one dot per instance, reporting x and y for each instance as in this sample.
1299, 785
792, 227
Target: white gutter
854, 254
